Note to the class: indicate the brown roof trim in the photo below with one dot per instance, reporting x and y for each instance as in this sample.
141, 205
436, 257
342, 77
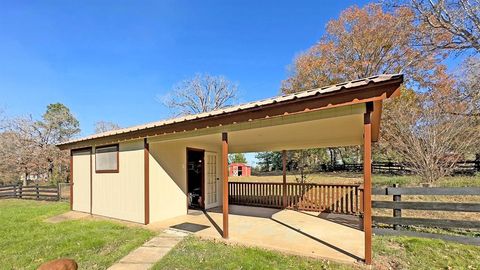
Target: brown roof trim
359, 91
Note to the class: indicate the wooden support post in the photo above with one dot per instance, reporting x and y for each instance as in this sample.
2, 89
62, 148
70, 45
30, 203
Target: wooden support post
225, 183
146, 176
367, 183
71, 180
91, 180
58, 191
397, 212
284, 166
37, 191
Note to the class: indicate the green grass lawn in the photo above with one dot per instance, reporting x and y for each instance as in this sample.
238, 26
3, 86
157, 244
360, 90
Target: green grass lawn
412, 180
193, 253
421, 253
389, 253
26, 241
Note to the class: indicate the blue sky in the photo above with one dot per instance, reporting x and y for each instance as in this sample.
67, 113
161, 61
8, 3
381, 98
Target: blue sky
111, 60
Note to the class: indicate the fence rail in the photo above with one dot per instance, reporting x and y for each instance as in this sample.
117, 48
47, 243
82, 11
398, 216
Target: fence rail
397, 206
345, 199
467, 167
30, 192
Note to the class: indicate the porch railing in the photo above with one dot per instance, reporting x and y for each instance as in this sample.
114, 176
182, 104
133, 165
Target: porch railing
344, 199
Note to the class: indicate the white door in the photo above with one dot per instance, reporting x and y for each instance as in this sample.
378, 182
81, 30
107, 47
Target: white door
81, 180
211, 180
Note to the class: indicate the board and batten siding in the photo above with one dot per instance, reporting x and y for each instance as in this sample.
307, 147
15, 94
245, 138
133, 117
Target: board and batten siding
121, 195
81, 180
168, 177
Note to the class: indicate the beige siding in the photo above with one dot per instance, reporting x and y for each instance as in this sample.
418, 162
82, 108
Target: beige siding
168, 183
121, 195
81, 181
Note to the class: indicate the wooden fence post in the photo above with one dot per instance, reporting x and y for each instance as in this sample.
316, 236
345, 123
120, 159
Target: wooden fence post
397, 212
15, 190
361, 199
58, 191
38, 192
20, 191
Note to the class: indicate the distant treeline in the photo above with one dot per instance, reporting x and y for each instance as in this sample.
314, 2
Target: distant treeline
468, 167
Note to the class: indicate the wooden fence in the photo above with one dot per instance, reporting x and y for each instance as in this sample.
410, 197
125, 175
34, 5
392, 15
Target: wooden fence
397, 206
345, 199
30, 192
468, 167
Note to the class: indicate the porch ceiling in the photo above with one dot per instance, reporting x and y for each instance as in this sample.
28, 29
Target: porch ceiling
330, 132
334, 127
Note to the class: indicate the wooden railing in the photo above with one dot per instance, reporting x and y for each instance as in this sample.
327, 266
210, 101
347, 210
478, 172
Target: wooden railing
345, 199
30, 192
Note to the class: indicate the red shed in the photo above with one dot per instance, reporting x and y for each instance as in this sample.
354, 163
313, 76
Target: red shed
239, 169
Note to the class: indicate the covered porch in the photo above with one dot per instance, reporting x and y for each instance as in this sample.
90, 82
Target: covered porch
326, 236
345, 115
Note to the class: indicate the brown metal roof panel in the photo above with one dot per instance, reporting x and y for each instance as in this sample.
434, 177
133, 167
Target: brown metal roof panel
284, 98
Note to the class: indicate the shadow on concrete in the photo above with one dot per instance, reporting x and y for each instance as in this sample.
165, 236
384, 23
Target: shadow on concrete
214, 224
319, 240
350, 221
249, 211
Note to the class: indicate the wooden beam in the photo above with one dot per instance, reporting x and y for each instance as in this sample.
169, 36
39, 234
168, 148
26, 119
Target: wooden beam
367, 182
91, 181
284, 167
146, 167
376, 117
71, 179
225, 183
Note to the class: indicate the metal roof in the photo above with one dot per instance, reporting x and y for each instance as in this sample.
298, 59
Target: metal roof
279, 99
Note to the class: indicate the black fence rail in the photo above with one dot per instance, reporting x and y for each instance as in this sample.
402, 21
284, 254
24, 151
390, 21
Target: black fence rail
377, 167
35, 192
468, 167
397, 205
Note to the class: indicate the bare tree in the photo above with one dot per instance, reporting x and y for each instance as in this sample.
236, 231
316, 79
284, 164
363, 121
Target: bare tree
451, 24
21, 151
469, 86
428, 139
3, 120
104, 126
304, 168
27, 146
201, 93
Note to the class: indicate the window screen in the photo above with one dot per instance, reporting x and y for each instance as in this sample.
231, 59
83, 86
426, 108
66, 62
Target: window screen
106, 158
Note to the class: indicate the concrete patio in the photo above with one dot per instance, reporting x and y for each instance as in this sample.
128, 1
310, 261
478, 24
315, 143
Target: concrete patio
327, 236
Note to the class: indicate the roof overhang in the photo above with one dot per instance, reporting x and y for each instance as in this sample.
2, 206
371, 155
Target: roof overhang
370, 90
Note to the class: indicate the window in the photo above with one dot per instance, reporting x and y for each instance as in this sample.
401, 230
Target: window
106, 159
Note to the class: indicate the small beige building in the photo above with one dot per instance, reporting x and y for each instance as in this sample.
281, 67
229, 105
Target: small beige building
157, 171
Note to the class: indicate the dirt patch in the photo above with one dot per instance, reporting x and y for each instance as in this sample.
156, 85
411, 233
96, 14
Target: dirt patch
72, 215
